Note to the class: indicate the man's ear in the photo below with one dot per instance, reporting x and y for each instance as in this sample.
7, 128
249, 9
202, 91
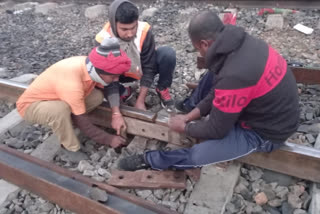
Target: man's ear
204, 44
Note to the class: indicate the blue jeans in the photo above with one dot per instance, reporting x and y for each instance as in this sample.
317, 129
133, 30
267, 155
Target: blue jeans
200, 92
238, 143
165, 62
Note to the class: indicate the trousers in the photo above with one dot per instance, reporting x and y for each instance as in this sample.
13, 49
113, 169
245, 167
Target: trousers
200, 92
165, 62
237, 143
56, 114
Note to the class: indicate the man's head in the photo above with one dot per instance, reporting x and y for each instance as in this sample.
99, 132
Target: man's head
109, 61
107, 77
126, 19
203, 30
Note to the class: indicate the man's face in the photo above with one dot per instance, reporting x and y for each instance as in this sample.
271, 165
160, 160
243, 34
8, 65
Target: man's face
109, 78
202, 46
127, 32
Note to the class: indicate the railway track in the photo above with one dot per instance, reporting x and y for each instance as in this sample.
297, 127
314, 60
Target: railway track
51, 182
143, 123
311, 4
292, 159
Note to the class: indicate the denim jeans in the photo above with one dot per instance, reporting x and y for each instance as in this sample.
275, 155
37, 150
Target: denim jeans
166, 63
237, 143
200, 92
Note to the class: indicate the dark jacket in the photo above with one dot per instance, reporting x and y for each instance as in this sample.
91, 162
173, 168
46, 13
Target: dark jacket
253, 87
148, 60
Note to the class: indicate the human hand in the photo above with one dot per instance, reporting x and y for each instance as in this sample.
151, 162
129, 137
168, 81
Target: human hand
117, 141
183, 117
118, 123
177, 123
140, 105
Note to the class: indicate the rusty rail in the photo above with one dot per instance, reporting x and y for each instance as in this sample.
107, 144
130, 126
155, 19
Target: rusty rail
267, 3
302, 75
292, 159
311, 4
295, 160
66, 188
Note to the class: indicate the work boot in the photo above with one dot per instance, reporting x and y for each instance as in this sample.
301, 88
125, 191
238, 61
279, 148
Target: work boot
133, 163
127, 94
165, 97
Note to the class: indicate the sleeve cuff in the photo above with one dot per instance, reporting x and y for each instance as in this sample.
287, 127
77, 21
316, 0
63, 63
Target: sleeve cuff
145, 83
187, 128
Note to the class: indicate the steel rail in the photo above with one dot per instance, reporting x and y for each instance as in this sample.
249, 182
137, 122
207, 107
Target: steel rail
313, 4
310, 4
68, 189
292, 159
302, 75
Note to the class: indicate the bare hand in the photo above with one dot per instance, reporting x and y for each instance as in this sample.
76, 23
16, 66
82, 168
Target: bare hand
140, 105
118, 123
182, 117
117, 141
177, 123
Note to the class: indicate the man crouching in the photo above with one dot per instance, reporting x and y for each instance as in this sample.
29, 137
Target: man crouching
66, 91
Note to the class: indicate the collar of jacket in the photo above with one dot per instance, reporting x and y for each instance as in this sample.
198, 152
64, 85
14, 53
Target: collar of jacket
228, 40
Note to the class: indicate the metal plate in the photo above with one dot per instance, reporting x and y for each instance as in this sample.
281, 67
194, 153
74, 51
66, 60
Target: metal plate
148, 179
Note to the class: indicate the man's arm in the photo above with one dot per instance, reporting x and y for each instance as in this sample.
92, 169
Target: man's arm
78, 109
226, 107
202, 109
96, 134
179, 122
216, 127
141, 98
90, 130
117, 122
111, 93
148, 65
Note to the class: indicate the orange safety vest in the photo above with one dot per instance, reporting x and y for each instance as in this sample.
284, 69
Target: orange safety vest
143, 28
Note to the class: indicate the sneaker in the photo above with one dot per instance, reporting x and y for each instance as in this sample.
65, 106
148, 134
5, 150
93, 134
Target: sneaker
133, 163
127, 94
183, 107
165, 98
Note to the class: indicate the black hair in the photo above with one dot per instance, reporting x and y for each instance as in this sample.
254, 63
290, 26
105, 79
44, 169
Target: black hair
205, 26
127, 13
